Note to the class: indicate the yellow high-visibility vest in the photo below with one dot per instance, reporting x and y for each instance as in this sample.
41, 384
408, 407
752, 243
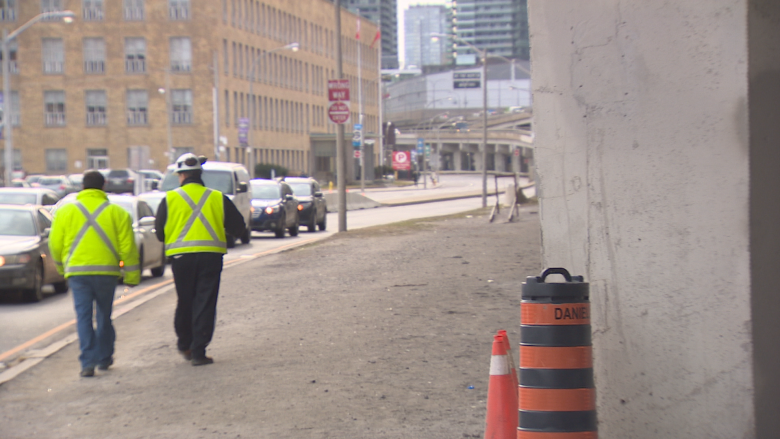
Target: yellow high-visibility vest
195, 222
91, 236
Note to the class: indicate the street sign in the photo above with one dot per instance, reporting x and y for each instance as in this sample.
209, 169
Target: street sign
338, 112
517, 152
357, 153
401, 160
243, 130
420, 145
357, 136
358, 127
466, 80
427, 150
338, 90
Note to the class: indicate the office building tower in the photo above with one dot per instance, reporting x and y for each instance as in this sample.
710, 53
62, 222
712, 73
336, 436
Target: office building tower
382, 12
498, 26
420, 22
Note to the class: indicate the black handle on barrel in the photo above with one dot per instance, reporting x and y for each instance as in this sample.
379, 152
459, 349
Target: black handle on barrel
562, 271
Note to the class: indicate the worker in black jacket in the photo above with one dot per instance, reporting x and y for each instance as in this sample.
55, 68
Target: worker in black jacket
193, 221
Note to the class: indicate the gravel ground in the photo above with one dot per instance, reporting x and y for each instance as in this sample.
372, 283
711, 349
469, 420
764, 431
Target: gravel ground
377, 333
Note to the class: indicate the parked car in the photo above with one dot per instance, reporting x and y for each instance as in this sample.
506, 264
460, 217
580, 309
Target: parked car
34, 196
153, 199
121, 181
77, 180
18, 182
275, 207
25, 260
152, 178
312, 207
151, 252
58, 183
232, 179
33, 179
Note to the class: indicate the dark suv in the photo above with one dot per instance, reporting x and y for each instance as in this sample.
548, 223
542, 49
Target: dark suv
120, 181
312, 207
274, 208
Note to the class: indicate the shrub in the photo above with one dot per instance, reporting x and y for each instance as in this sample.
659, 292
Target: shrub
263, 170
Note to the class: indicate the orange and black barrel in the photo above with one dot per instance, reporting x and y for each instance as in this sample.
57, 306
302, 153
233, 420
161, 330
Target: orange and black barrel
556, 394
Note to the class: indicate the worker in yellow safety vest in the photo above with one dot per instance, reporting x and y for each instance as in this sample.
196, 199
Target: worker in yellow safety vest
192, 221
90, 241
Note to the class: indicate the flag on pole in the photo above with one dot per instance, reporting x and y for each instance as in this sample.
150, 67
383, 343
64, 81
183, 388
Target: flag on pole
357, 34
376, 38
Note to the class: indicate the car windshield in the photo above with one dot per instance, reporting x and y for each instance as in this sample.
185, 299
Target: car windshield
16, 223
76, 178
219, 180
265, 191
18, 199
301, 189
50, 181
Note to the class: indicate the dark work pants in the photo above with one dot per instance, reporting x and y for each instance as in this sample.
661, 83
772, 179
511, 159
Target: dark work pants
196, 276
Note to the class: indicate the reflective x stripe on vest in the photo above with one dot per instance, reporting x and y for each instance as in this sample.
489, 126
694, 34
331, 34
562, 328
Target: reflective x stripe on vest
93, 224
196, 214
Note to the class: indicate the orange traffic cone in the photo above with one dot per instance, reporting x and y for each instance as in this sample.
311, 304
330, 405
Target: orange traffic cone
501, 419
510, 357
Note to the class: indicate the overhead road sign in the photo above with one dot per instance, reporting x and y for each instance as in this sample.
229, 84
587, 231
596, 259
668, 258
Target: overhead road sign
466, 80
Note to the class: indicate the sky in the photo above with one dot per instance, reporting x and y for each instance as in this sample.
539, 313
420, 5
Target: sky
402, 6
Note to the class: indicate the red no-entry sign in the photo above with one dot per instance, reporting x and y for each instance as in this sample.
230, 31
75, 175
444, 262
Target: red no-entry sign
338, 112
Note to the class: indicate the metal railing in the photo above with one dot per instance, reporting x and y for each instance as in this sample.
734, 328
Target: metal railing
53, 66
179, 12
135, 65
93, 14
181, 117
134, 14
55, 119
94, 66
96, 119
137, 117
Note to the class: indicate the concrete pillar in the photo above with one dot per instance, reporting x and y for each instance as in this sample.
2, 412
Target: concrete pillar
456, 158
478, 157
657, 153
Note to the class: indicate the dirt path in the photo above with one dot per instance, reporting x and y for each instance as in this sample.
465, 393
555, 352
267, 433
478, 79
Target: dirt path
378, 333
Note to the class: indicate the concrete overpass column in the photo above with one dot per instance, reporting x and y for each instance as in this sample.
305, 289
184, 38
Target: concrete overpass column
658, 177
478, 165
457, 158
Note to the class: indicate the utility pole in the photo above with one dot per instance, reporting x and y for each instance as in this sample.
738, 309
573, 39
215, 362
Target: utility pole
215, 106
341, 165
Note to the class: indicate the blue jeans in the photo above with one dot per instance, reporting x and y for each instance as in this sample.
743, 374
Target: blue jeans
97, 347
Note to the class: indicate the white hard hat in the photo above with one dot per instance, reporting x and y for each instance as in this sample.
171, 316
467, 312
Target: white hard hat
189, 162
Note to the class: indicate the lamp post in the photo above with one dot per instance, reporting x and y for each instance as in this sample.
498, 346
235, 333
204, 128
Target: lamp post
483, 56
168, 113
292, 46
67, 17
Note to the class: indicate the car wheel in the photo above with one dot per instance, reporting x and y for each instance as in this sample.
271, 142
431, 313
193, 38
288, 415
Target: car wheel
324, 223
246, 238
141, 260
280, 231
61, 287
231, 241
312, 226
35, 294
294, 229
159, 271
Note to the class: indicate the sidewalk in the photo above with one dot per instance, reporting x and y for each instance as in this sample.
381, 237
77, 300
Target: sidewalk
380, 333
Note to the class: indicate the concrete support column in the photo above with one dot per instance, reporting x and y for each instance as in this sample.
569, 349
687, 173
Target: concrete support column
656, 141
456, 158
478, 165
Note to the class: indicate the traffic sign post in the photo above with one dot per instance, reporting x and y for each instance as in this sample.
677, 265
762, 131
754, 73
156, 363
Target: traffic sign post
401, 160
243, 131
338, 95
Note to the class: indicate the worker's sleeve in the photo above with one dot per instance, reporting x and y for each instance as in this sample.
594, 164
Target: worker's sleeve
127, 248
159, 220
57, 242
234, 221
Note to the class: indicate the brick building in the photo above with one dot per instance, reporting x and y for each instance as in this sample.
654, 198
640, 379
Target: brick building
94, 93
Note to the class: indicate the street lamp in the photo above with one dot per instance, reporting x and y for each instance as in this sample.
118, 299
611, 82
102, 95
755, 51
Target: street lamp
483, 55
67, 17
168, 113
292, 46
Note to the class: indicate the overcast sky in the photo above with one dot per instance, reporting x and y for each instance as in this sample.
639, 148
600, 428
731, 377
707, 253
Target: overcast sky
402, 6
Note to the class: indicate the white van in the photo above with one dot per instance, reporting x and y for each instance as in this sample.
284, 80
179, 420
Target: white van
232, 179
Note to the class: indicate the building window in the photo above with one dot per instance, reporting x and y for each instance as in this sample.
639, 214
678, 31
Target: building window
181, 54
93, 10
134, 10
96, 107
7, 10
94, 55
54, 102
137, 107
53, 56
179, 9
135, 55
49, 6
56, 160
13, 66
181, 107
97, 159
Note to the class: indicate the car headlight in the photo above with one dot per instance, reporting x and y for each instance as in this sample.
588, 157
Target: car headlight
269, 210
300, 207
15, 259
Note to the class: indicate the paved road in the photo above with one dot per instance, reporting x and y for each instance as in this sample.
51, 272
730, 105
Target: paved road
24, 326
